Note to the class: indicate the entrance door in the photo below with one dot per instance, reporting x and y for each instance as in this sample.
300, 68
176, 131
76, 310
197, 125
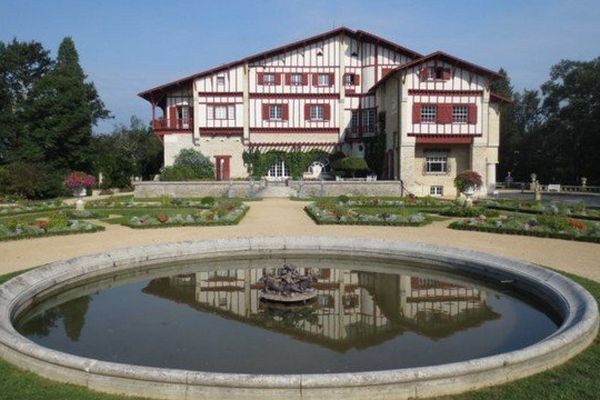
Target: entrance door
222, 167
278, 171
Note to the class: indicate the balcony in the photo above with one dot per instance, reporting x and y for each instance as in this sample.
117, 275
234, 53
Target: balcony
356, 133
170, 124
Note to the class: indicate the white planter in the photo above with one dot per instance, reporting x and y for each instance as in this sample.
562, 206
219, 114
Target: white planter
80, 194
468, 193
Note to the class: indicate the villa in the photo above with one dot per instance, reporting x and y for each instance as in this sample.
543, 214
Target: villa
338, 91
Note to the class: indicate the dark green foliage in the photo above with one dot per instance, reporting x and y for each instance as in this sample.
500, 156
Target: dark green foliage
193, 160
460, 211
343, 199
178, 174
556, 223
375, 148
61, 110
126, 152
30, 180
208, 200
351, 165
297, 162
22, 64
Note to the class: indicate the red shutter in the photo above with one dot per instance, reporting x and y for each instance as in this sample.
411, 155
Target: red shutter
416, 117
284, 112
260, 78
356, 79
424, 74
288, 79
305, 79
444, 114
331, 79
265, 112
315, 79
472, 114
277, 79
307, 112
326, 112
172, 123
447, 74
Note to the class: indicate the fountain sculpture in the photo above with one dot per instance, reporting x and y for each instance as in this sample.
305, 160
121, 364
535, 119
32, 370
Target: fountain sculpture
286, 285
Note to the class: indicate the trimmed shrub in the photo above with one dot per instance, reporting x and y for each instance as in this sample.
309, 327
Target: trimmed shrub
207, 201
343, 199
203, 168
351, 165
467, 179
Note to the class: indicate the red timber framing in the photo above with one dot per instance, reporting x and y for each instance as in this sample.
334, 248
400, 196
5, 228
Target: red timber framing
443, 139
444, 113
296, 130
212, 132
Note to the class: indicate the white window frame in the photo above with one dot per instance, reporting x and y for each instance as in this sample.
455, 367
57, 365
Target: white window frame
460, 114
220, 112
428, 113
323, 80
275, 112
368, 121
278, 170
317, 112
349, 79
436, 159
296, 79
221, 80
436, 191
269, 79
227, 112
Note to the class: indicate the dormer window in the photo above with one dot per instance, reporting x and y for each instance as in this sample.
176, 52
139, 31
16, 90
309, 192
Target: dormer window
436, 73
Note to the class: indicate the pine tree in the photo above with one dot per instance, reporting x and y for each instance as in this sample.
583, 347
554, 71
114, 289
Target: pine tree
62, 109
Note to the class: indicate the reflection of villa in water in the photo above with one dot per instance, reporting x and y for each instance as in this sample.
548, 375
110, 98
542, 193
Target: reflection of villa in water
353, 308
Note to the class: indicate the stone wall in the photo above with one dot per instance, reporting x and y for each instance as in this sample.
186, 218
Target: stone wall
355, 188
196, 189
306, 189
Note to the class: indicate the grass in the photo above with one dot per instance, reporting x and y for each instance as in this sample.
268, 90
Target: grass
576, 379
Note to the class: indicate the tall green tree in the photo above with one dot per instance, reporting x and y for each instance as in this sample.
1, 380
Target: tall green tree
126, 152
22, 65
62, 109
510, 135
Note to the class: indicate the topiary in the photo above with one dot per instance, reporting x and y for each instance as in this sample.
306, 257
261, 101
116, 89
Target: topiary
351, 165
208, 201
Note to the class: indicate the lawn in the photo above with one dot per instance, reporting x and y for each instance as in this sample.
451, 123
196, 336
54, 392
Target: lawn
576, 379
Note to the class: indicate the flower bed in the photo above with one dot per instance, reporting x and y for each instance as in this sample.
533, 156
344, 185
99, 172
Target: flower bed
332, 212
578, 210
408, 201
23, 207
225, 213
163, 202
462, 211
21, 228
549, 226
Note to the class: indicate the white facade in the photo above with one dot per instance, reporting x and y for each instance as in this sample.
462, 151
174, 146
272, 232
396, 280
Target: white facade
316, 94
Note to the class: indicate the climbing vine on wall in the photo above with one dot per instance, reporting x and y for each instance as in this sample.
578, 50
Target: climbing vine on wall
297, 162
375, 149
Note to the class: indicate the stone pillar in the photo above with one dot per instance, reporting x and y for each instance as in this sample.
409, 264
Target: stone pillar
490, 177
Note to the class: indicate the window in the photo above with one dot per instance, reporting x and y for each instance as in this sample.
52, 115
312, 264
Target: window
278, 170
436, 164
437, 73
316, 112
275, 111
220, 80
460, 113
436, 190
354, 119
296, 79
269, 79
368, 121
428, 113
221, 111
350, 79
323, 80
183, 117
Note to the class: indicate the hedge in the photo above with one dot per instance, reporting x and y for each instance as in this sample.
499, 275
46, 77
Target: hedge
318, 221
95, 228
532, 211
458, 225
220, 222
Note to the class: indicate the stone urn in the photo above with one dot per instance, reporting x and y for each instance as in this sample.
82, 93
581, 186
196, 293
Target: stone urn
469, 192
80, 193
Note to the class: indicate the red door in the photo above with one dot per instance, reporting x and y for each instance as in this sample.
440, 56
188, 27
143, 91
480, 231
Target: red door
222, 167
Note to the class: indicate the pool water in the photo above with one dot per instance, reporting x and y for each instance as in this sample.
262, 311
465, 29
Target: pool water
207, 316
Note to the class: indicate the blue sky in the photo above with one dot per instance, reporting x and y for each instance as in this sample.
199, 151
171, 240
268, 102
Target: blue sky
127, 46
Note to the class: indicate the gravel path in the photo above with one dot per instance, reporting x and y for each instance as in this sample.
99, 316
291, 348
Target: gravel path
275, 217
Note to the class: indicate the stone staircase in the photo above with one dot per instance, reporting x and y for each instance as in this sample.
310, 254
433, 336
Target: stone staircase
276, 189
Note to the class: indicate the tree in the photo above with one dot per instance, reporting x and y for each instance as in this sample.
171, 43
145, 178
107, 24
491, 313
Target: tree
62, 109
22, 65
194, 160
351, 165
126, 152
510, 136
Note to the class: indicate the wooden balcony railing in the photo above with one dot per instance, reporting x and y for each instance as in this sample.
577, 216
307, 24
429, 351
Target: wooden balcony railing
169, 124
357, 132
